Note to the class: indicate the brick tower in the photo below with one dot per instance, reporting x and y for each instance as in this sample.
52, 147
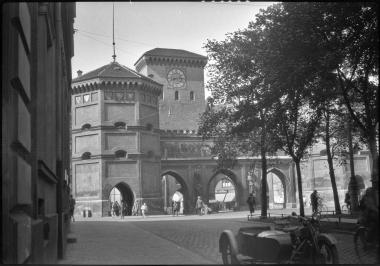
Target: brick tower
115, 138
181, 73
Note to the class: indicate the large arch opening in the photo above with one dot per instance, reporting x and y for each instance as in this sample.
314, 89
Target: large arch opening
276, 189
222, 192
120, 192
174, 189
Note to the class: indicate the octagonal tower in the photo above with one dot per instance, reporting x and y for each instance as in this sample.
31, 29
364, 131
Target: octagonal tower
115, 138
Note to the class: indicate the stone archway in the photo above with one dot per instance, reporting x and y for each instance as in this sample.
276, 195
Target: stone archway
228, 175
122, 191
169, 190
277, 197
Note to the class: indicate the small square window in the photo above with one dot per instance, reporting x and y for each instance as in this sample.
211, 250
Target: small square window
86, 98
78, 99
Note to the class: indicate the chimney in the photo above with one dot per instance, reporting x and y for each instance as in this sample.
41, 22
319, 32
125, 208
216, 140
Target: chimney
79, 72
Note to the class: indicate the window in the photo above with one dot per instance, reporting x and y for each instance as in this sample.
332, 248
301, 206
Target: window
226, 183
176, 96
120, 125
86, 98
86, 155
191, 96
86, 126
78, 99
121, 154
94, 97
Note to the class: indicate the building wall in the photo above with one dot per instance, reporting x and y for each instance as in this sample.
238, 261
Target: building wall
37, 50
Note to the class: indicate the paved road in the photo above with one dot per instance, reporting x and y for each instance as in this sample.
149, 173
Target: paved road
166, 240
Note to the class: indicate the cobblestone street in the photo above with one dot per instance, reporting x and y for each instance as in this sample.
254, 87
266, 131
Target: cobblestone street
164, 240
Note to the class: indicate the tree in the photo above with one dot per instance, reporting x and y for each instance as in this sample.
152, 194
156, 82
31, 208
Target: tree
237, 83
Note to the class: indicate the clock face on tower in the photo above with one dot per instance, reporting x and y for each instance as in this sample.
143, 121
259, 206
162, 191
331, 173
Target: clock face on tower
176, 78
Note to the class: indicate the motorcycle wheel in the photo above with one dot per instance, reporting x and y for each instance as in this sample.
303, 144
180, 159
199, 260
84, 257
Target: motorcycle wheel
227, 255
328, 252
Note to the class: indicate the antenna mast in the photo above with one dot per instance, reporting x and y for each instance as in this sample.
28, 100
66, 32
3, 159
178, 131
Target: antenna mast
113, 31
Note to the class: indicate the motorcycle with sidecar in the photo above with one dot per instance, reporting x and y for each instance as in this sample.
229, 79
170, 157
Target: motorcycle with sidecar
301, 244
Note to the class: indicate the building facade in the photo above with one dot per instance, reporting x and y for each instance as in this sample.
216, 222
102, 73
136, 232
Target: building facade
137, 131
37, 47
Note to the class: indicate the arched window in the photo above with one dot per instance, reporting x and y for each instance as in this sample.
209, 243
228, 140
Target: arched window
86, 126
86, 155
191, 96
119, 125
120, 154
176, 96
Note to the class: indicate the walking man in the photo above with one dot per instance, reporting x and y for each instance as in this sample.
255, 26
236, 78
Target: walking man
199, 205
72, 207
314, 201
251, 203
144, 208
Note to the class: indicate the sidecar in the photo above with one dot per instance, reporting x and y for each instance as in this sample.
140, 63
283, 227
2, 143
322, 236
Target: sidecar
257, 244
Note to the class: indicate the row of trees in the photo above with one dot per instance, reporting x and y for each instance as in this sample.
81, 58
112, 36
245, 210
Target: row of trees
299, 72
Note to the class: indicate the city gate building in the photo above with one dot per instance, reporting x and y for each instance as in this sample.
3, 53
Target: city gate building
133, 129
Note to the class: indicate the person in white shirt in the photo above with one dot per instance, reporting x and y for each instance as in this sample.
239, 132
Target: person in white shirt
144, 208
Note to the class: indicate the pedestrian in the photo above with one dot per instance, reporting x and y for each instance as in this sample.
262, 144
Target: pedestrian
72, 207
144, 209
122, 209
199, 205
347, 200
110, 211
117, 208
113, 207
314, 201
176, 206
369, 213
251, 203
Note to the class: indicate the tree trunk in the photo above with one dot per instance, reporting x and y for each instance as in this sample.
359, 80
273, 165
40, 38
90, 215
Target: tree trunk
299, 182
375, 163
353, 185
264, 205
331, 165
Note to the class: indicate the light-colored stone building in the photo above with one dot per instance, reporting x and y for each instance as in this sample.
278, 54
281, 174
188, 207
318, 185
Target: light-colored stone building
132, 130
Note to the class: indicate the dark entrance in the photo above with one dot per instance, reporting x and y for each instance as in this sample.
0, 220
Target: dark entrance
174, 188
123, 192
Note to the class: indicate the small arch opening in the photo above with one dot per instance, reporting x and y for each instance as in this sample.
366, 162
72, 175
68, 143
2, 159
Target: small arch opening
176, 95
149, 126
191, 96
120, 125
86, 155
86, 126
120, 154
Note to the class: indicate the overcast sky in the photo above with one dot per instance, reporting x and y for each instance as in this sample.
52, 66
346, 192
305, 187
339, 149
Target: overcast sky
141, 26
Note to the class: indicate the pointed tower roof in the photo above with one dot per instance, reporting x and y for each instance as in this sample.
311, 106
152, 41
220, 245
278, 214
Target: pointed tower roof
112, 70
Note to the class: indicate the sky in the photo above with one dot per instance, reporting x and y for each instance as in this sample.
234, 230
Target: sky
142, 26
